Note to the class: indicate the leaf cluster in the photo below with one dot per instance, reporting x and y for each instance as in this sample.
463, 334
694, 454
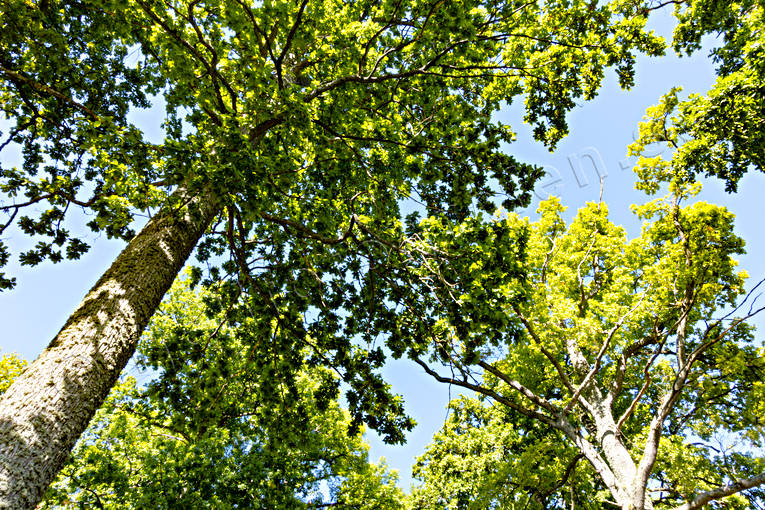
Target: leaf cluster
717, 134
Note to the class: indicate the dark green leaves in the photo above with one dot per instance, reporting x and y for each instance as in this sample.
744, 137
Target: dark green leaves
223, 422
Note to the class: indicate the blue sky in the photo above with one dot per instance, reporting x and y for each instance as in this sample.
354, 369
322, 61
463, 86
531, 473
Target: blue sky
33, 313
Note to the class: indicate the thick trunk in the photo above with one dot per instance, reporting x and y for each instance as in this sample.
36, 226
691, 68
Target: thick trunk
616, 454
619, 472
47, 408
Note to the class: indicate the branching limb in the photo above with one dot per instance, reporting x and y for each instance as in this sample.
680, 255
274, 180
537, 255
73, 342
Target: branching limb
743, 302
599, 359
530, 413
288, 43
670, 398
46, 90
560, 423
593, 457
10, 220
661, 5
630, 351
547, 354
548, 257
12, 135
307, 232
582, 294
368, 45
739, 485
211, 69
216, 76
520, 388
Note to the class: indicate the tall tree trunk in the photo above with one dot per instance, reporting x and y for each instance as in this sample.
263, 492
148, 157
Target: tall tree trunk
47, 408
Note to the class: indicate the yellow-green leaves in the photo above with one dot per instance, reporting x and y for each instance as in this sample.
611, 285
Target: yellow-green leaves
221, 423
608, 332
10, 367
718, 134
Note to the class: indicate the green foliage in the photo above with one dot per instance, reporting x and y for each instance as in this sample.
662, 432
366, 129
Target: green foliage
310, 113
312, 125
214, 428
718, 134
633, 339
484, 457
66, 89
10, 367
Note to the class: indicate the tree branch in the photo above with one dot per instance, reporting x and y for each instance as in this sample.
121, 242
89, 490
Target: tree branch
727, 490
530, 413
599, 358
520, 388
288, 42
45, 89
532, 333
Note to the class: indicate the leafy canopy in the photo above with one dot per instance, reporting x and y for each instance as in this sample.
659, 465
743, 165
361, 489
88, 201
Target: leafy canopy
627, 358
310, 124
718, 134
298, 111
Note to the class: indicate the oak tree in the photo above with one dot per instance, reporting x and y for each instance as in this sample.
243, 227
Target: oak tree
293, 133
627, 374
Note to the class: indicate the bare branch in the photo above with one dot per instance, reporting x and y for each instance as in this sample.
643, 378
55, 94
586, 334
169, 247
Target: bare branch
559, 422
727, 490
634, 403
520, 388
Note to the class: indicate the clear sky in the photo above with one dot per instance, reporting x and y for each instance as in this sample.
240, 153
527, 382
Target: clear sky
33, 313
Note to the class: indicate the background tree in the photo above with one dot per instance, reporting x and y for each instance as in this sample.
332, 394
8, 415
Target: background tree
133, 456
10, 368
296, 130
633, 356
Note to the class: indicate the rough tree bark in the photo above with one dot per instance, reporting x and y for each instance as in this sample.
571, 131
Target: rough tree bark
47, 408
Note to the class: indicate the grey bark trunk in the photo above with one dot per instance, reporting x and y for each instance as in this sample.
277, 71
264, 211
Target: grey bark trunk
47, 408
